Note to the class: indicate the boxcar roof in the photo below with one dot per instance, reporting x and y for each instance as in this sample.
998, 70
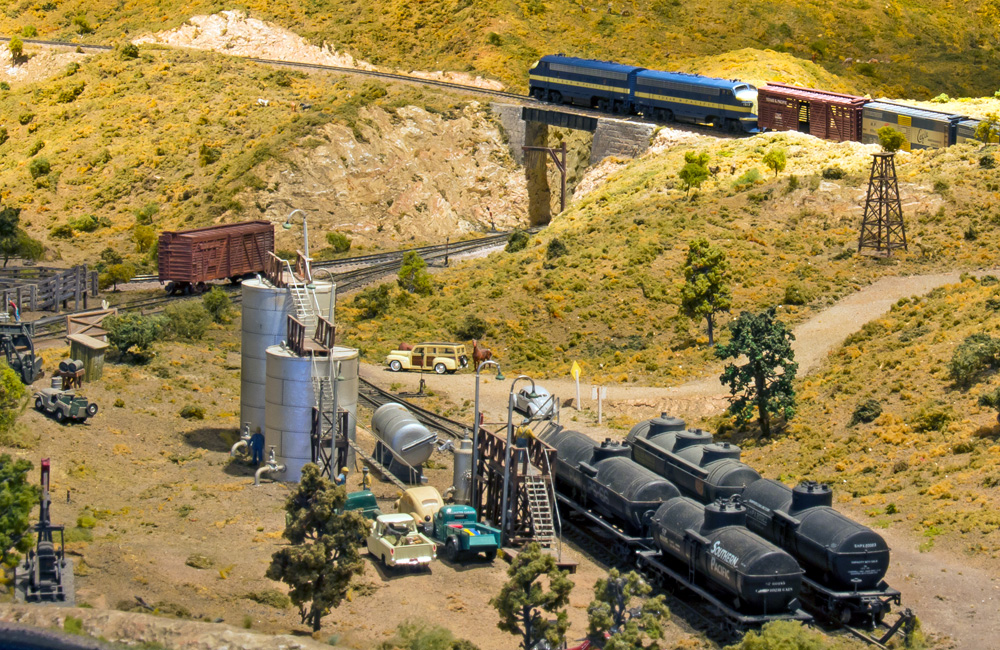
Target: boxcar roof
913, 111
211, 232
590, 63
813, 94
689, 78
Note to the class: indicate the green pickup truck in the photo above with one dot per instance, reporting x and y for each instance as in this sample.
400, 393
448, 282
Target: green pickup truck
456, 527
363, 502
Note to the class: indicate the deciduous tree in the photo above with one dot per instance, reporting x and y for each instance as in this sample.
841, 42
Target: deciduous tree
413, 275
16, 48
14, 241
765, 380
988, 129
17, 498
12, 400
323, 556
611, 612
695, 170
775, 160
524, 603
706, 289
890, 139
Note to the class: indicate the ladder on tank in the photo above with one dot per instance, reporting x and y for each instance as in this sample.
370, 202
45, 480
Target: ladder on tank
542, 518
326, 426
304, 300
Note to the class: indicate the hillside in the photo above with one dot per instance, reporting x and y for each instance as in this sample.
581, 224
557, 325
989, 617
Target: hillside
185, 139
928, 463
902, 47
611, 299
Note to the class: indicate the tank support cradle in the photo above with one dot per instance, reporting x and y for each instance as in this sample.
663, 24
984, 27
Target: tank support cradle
905, 622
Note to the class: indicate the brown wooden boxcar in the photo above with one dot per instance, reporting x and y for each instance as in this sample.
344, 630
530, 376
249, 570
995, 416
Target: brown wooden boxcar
827, 115
191, 258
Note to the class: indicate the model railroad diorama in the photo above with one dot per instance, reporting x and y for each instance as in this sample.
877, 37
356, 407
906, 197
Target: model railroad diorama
672, 502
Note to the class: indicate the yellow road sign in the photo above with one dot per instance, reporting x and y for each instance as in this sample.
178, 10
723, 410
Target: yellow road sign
575, 371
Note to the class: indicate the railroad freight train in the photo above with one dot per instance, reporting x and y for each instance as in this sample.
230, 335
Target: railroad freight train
706, 548
844, 562
189, 259
736, 106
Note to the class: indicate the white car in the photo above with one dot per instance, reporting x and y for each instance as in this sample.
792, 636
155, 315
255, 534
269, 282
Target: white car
539, 404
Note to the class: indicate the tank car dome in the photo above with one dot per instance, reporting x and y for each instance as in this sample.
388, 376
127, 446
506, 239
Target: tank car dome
656, 426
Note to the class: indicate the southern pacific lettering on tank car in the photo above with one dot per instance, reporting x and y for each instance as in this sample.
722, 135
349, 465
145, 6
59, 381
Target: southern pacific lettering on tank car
732, 105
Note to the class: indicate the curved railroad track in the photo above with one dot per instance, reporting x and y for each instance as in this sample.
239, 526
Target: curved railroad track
374, 397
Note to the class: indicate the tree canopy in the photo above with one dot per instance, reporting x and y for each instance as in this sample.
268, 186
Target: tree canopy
890, 139
706, 289
765, 380
17, 498
523, 602
695, 170
413, 275
323, 556
988, 129
611, 612
14, 241
775, 160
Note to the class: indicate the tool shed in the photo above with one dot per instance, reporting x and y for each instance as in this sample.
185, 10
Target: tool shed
827, 115
91, 352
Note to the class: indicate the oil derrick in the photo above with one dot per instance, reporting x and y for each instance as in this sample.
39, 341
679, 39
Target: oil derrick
882, 227
46, 575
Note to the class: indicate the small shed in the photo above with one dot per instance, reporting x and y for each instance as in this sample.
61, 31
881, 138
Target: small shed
824, 114
91, 352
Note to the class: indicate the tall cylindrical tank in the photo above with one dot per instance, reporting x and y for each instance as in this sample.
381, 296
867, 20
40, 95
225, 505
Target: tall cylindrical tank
347, 390
462, 477
265, 323
395, 426
288, 408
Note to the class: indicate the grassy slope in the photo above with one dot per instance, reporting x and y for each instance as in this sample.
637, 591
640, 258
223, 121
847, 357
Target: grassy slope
934, 45
612, 301
936, 474
133, 137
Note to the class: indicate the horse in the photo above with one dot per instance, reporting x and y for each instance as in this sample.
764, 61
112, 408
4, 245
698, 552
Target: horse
405, 347
480, 354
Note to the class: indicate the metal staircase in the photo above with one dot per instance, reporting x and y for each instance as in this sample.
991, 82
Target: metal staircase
304, 299
540, 508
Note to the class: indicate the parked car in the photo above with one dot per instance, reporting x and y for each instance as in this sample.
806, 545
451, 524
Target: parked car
64, 405
539, 404
395, 541
363, 502
463, 536
422, 503
439, 357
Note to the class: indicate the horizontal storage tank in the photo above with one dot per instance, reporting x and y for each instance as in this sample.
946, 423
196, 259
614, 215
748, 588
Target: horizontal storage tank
265, 313
763, 577
400, 430
288, 409
832, 548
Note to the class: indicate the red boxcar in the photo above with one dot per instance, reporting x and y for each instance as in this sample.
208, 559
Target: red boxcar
831, 116
188, 259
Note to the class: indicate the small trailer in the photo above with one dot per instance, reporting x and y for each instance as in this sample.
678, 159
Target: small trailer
456, 527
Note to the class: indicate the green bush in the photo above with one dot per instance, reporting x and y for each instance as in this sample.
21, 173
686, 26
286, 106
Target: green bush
339, 242
39, 167
932, 416
192, 412
187, 320
834, 173
67, 95
890, 139
16, 48
941, 99
25, 118
208, 155
517, 241
270, 597
986, 161
127, 51
795, 294
144, 237
218, 305
82, 25
134, 334
4, 85
374, 301
144, 215
555, 249
472, 327
866, 411
116, 274
73, 625
72, 68
3, 134
62, 231
972, 357
424, 635
29, 31
782, 635
747, 179
36, 147
89, 223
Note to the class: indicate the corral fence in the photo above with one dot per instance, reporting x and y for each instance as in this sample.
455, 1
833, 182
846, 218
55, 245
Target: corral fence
41, 288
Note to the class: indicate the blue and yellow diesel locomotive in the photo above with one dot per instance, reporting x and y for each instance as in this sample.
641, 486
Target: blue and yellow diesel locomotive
630, 90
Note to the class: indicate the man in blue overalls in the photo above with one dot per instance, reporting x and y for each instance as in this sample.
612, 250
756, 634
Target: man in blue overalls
256, 445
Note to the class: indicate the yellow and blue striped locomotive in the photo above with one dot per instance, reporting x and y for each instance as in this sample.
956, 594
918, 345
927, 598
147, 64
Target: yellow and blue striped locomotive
730, 105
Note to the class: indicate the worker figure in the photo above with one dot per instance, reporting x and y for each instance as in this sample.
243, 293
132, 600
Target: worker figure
342, 477
256, 445
522, 435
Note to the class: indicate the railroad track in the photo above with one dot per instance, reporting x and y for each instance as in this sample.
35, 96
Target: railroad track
375, 397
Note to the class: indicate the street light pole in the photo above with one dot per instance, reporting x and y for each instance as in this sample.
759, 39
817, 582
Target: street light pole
475, 428
305, 237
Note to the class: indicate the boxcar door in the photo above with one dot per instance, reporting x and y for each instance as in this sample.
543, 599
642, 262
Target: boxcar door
417, 359
211, 254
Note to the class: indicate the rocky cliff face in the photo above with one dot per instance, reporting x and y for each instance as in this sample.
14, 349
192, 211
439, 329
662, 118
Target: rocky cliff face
400, 176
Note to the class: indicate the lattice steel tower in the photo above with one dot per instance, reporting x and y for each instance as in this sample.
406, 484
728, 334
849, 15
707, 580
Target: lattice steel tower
882, 227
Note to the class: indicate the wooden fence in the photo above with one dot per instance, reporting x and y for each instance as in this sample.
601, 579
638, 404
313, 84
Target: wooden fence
37, 288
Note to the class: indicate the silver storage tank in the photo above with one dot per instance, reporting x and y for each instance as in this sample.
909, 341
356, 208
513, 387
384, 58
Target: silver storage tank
347, 391
399, 430
265, 323
462, 478
288, 413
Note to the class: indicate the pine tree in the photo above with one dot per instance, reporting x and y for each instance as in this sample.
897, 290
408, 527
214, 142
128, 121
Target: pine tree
413, 275
17, 498
523, 602
706, 290
765, 380
324, 555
